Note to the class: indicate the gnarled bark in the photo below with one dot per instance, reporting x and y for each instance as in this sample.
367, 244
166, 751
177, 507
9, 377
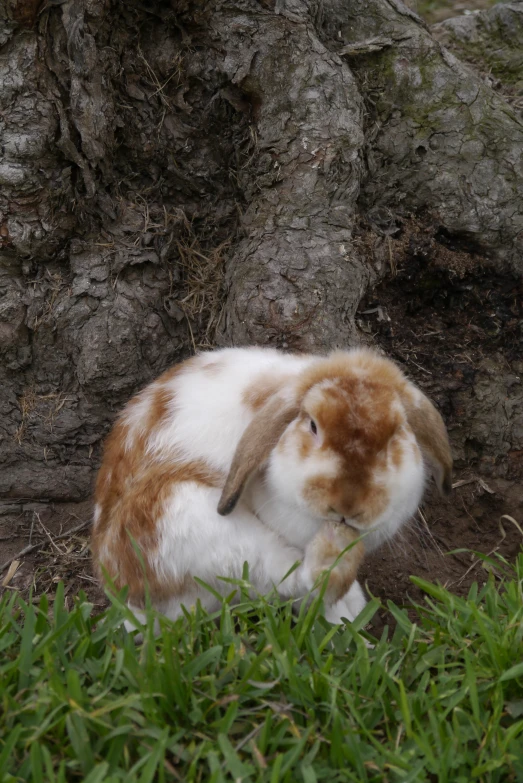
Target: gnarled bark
491, 41
158, 156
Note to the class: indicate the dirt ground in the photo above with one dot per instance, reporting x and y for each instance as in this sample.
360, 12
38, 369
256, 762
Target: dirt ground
57, 537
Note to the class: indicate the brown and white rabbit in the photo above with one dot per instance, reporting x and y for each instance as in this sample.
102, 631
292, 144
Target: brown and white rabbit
252, 454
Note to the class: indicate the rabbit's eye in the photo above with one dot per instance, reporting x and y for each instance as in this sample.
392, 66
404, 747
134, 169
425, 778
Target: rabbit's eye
314, 428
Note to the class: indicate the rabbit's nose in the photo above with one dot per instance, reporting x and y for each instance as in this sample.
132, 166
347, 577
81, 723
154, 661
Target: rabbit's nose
341, 519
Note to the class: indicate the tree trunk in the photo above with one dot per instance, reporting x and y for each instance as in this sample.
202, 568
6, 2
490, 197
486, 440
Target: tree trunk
177, 175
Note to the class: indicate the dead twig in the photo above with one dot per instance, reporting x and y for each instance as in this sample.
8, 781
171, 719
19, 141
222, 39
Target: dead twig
512, 520
427, 528
494, 548
48, 534
31, 548
474, 479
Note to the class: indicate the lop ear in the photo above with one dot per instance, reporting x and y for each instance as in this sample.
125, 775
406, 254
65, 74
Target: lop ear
431, 434
257, 442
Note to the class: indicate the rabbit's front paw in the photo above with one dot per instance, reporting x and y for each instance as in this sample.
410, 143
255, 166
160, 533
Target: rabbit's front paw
325, 549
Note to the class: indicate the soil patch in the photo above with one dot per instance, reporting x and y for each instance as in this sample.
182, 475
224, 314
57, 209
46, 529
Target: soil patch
44, 543
440, 312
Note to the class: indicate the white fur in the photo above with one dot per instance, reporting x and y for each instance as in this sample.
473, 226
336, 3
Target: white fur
135, 415
405, 485
220, 546
210, 416
271, 526
348, 607
287, 475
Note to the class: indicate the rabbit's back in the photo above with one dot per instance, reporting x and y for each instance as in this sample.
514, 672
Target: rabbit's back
180, 431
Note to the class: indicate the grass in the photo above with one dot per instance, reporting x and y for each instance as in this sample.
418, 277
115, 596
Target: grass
263, 695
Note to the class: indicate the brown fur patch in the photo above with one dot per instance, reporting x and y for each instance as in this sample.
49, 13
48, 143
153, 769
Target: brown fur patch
328, 545
305, 444
130, 512
357, 408
357, 417
119, 464
396, 452
162, 393
159, 408
261, 389
357, 364
131, 491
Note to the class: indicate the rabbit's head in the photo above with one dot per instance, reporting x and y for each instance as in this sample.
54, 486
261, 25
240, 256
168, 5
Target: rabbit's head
347, 440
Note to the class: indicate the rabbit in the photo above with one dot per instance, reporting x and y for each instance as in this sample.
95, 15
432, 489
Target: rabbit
253, 454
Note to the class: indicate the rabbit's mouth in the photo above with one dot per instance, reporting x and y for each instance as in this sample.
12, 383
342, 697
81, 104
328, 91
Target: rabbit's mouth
349, 523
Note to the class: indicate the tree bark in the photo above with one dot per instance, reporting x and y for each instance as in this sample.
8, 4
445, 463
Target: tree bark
181, 174
491, 41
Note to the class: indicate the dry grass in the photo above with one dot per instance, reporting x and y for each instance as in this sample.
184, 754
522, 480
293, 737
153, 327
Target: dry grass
51, 551
27, 404
52, 284
202, 299
43, 406
192, 257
